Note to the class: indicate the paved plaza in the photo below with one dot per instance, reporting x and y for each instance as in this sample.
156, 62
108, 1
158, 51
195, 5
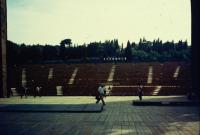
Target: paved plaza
119, 117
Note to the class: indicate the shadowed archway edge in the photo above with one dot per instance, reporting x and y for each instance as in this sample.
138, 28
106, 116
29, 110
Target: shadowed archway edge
195, 46
3, 40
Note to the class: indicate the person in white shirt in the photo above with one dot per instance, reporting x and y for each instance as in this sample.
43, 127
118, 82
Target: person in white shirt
101, 94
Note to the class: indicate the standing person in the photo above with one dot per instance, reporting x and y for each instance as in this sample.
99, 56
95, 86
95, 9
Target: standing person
140, 91
37, 91
104, 89
26, 92
22, 91
101, 95
10, 92
33, 88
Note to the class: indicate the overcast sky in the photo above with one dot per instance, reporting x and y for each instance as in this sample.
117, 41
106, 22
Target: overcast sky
84, 21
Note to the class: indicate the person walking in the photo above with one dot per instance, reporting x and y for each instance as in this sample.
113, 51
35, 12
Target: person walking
140, 91
101, 94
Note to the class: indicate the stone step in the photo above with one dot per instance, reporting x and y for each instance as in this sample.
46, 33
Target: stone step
166, 103
80, 108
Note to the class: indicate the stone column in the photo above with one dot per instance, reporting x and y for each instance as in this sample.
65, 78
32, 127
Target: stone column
3, 39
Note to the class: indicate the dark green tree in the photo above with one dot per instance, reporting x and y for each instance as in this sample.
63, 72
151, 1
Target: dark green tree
128, 51
63, 50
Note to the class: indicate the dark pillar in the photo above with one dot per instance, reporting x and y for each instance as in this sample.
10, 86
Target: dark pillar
3, 39
195, 47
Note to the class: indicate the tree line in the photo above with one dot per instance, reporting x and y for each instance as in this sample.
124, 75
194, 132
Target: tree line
144, 51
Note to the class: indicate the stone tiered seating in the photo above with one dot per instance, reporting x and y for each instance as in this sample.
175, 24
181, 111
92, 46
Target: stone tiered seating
173, 91
89, 76
130, 74
131, 91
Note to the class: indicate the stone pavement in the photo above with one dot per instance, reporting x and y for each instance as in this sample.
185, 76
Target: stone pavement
119, 117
